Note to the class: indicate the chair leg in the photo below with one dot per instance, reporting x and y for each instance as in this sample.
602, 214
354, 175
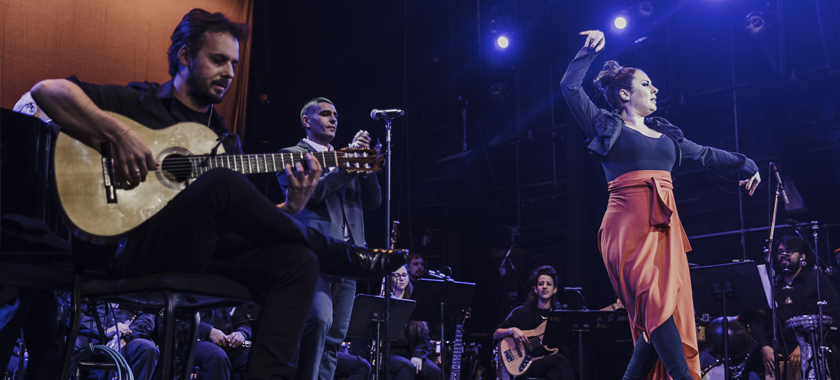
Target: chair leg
75, 321
164, 370
187, 353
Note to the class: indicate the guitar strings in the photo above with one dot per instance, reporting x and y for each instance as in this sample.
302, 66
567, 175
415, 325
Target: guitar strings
188, 166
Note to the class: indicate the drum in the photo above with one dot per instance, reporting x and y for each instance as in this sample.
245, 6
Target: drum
740, 343
808, 323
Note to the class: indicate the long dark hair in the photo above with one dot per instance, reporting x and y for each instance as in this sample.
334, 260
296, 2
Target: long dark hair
612, 79
190, 33
415, 328
545, 270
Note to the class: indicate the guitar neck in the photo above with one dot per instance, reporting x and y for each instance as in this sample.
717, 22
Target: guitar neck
457, 349
260, 163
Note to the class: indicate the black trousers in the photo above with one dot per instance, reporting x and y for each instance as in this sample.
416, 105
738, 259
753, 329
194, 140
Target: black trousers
36, 312
270, 253
551, 367
403, 369
217, 363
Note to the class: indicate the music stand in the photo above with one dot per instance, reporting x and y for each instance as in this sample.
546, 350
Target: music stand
563, 324
439, 300
725, 289
368, 316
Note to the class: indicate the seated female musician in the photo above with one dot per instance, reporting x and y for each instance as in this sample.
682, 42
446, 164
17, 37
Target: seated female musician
529, 316
408, 352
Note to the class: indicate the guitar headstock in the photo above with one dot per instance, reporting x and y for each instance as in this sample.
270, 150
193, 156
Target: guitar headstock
361, 160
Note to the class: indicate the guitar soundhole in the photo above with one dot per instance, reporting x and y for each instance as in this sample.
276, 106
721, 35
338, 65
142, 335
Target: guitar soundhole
176, 168
175, 171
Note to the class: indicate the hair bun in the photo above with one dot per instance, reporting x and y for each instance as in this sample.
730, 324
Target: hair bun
607, 74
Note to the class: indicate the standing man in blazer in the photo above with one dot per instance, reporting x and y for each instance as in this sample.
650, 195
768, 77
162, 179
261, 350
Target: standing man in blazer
336, 210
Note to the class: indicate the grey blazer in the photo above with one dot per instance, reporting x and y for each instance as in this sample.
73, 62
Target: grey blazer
337, 193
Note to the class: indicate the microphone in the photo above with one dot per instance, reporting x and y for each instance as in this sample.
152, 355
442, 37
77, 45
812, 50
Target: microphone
389, 114
779, 181
441, 274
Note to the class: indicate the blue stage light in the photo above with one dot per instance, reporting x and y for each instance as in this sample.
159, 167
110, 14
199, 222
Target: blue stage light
502, 42
620, 22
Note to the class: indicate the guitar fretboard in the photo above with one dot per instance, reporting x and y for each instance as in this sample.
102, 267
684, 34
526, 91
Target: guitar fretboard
260, 163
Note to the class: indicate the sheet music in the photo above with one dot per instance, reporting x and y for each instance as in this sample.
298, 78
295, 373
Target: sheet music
765, 282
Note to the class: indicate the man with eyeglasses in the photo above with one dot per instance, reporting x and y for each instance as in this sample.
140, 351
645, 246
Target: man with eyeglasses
796, 295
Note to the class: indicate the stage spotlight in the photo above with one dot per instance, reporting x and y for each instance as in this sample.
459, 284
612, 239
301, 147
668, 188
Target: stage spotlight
620, 22
755, 23
502, 42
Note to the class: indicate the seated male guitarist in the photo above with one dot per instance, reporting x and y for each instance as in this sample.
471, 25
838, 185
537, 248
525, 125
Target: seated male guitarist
530, 316
273, 254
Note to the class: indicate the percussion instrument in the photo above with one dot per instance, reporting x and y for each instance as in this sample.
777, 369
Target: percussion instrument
808, 323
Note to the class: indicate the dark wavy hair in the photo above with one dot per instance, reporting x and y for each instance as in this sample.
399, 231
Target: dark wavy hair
192, 28
546, 270
612, 79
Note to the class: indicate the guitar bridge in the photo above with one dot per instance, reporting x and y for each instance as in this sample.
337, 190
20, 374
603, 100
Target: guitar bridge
108, 173
508, 356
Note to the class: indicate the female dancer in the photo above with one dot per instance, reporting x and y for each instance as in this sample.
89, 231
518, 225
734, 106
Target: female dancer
641, 238
540, 303
408, 352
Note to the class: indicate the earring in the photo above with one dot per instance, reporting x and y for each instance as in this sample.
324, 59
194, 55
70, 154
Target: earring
802, 263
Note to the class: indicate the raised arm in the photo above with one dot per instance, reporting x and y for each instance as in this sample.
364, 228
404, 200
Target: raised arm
712, 157
73, 110
579, 103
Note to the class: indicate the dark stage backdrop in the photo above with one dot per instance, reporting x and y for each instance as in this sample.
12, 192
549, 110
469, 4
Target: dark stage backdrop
105, 41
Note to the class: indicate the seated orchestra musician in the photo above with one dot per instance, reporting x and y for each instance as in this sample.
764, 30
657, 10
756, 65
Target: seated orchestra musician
796, 296
409, 350
541, 301
416, 266
221, 349
126, 331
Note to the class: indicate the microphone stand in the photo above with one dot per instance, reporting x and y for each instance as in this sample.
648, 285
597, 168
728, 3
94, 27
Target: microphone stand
820, 360
772, 271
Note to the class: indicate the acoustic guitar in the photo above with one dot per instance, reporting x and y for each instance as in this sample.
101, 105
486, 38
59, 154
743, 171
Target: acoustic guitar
97, 210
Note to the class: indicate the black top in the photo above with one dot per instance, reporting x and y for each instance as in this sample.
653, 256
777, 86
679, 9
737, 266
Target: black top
604, 130
410, 346
222, 320
635, 151
528, 317
141, 326
154, 106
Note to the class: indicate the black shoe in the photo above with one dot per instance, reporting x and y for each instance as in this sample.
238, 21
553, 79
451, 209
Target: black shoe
365, 264
342, 260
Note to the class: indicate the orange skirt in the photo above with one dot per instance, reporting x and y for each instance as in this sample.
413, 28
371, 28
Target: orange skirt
643, 246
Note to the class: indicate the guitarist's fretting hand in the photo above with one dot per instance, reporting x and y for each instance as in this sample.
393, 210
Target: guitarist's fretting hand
301, 185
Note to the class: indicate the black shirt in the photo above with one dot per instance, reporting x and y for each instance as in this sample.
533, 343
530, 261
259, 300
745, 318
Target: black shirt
155, 106
803, 301
528, 317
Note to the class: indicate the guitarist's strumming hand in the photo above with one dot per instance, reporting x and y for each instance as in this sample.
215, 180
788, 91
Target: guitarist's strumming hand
518, 336
132, 158
301, 185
